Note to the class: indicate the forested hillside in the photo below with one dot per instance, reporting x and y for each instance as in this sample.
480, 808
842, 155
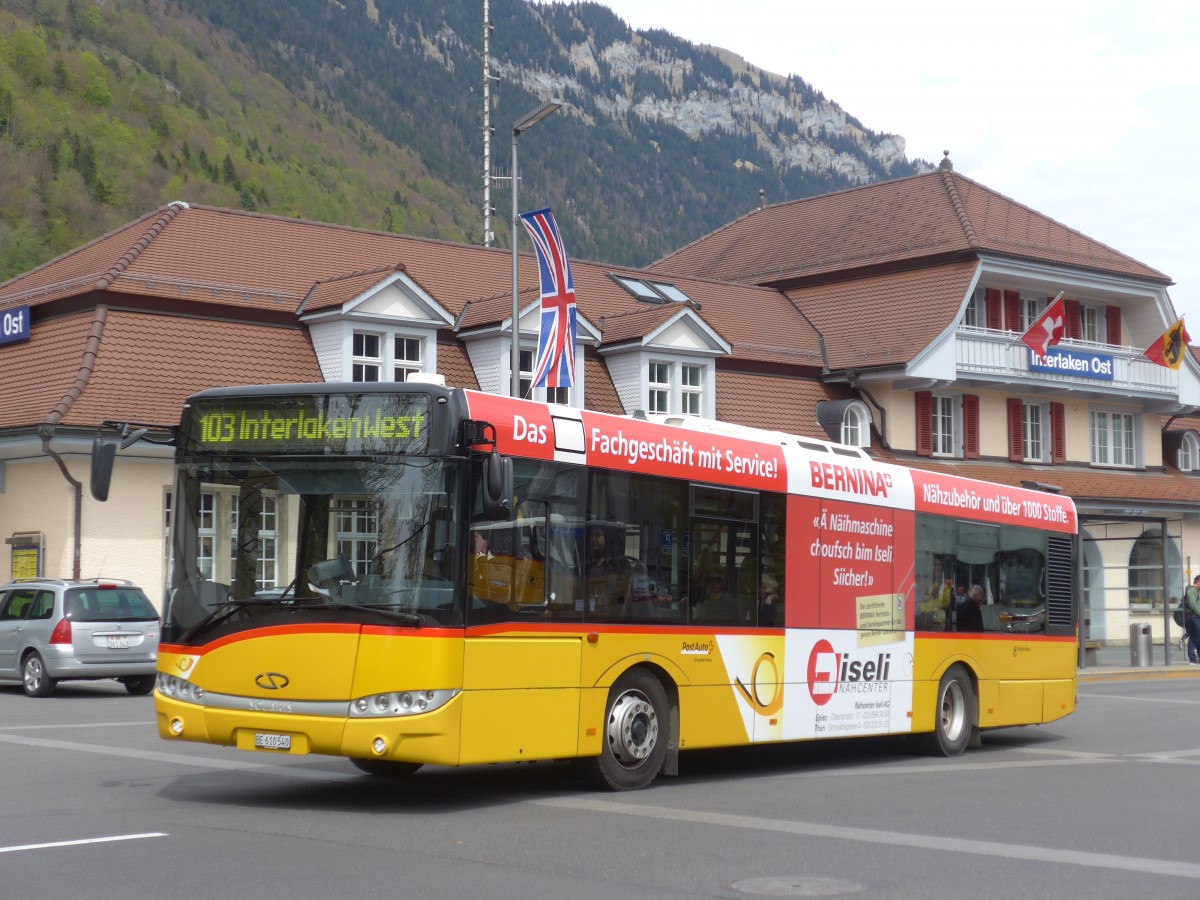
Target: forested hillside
370, 114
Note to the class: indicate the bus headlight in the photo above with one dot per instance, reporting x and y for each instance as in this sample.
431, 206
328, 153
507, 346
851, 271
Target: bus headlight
399, 703
179, 689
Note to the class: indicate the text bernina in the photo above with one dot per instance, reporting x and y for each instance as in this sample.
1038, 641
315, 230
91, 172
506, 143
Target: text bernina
834, 477
274, 706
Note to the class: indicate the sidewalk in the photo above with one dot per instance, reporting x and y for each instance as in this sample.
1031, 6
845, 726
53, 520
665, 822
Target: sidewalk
1114, 663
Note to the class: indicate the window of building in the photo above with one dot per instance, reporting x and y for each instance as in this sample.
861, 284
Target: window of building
975, 315
1189, 453
368, 360
659, 381
1112, 439
1146, 569
942, 424
690, 387
1091, 323
560, 395
407, 357
357, 533
207, 533
1033, 427
266, 536
947, 425
652, 291
1031, 308
852, 427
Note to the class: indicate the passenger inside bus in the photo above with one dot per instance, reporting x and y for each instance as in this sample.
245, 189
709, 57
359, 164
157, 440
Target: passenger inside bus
607, 572
970, 614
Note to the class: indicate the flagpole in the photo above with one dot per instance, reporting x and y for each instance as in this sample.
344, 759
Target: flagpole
522, 124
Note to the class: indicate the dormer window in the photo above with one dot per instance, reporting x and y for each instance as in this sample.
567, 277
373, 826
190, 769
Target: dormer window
368, 360
1189, 453
407, 357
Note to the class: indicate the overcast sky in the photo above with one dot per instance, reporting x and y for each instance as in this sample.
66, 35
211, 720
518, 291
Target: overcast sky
1087, 112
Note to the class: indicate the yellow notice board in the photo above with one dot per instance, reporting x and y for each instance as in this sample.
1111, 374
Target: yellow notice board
27, 551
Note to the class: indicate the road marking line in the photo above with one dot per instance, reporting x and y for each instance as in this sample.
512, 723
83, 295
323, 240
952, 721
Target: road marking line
287, 771
1139, 699
951, 767
149, 723
99, 840
896, 839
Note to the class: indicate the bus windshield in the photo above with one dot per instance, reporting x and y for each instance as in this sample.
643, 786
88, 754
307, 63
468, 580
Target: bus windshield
290, 538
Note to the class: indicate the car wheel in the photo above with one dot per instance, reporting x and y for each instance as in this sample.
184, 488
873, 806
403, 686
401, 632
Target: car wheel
34, 678
139, 685
386, 768
635, 734
954, 716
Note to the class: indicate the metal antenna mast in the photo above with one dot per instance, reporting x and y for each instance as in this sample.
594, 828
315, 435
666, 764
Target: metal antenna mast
488, 130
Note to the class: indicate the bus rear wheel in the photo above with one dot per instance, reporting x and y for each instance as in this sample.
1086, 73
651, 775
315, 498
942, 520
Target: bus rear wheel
386, 768
635, 734
954, 715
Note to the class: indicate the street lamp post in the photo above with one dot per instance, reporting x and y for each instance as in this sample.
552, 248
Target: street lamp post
523, 124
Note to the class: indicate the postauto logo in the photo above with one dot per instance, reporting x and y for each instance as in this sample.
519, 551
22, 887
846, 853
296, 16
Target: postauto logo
830, 672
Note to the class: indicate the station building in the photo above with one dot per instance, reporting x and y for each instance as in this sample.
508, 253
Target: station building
884, 317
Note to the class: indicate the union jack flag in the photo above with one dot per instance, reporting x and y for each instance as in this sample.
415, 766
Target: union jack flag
555, 364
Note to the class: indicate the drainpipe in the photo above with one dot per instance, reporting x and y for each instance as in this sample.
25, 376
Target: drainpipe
852, 379
47, 429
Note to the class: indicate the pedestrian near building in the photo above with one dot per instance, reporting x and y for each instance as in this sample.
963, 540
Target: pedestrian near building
1191, 619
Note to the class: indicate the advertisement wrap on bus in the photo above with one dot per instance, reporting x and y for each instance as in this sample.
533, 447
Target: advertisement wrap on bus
408, 575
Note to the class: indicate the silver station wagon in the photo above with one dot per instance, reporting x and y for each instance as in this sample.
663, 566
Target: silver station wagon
53, 630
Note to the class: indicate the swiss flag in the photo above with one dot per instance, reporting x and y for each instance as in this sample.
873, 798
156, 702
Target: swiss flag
1048, 329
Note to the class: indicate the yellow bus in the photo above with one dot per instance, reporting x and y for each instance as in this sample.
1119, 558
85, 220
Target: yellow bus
409, 574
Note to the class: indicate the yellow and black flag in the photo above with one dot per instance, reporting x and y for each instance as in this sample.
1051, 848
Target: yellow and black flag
1169, 349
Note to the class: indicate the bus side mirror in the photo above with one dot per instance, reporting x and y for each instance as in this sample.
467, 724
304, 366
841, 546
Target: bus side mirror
103, 454
497, 486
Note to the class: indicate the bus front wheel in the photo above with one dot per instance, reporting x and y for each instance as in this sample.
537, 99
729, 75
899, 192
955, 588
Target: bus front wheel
954, 716
386, 768
635, 734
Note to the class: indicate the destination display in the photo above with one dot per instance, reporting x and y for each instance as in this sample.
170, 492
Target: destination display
323, 424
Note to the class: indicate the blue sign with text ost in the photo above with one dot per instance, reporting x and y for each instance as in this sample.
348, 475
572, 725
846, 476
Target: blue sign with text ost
1073, 362
14, 325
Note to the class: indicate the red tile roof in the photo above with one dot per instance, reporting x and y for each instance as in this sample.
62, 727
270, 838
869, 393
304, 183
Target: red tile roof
890, 223
774, 402
145, 367
861, 319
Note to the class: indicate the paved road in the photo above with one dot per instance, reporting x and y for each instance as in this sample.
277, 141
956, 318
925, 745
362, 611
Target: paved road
1095, 806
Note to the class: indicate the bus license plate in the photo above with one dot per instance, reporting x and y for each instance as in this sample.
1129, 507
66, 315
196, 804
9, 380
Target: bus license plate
118, 642
273, 741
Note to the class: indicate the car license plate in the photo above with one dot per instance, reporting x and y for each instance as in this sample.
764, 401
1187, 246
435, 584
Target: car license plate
273, 741
118, 642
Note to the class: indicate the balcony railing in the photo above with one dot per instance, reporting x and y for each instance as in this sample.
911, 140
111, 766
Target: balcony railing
987, 354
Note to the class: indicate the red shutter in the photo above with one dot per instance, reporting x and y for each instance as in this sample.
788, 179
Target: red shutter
924, 423
1058, 433
970, 409
1016, 430
1074, 319
995, 312
1012, 310
1112, 319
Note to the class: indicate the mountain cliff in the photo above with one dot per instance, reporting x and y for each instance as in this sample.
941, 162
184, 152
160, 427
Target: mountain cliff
370, 113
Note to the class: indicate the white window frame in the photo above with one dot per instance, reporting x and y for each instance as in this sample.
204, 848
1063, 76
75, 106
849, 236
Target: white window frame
658, 386
1031, 308
1091, 324
1189, 453
1035, 432
691, 389
975, 315
362, 361
559, 395
946, 413
1113, 438
404, 364
856, 426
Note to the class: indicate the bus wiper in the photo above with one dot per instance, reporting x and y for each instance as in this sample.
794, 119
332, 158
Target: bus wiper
408, 618
220, 614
